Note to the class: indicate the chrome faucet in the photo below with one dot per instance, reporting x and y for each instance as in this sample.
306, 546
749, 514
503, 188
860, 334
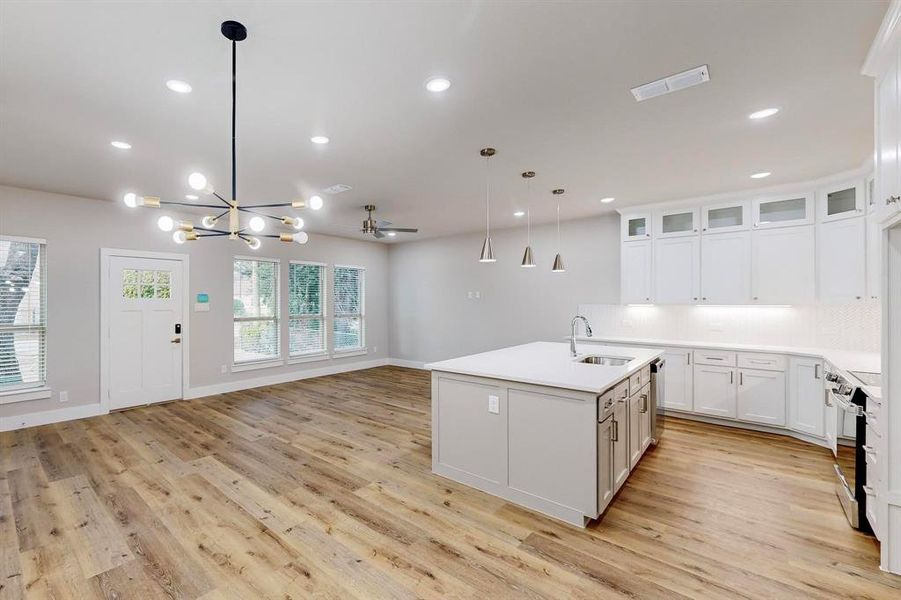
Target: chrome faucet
572, 333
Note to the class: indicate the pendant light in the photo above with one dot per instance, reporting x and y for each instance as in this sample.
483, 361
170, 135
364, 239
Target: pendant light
527, 261
487, 254
558, 260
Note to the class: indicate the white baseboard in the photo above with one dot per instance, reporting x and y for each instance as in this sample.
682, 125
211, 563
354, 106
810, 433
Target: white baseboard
804, 437
51, 416
410, 364
244, 384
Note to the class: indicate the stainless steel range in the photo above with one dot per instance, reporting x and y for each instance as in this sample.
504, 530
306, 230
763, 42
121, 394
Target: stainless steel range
846, 428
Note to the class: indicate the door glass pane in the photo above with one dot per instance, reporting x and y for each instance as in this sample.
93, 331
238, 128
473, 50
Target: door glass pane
678, 222
793, 209
730, 216
637, 226
841, 201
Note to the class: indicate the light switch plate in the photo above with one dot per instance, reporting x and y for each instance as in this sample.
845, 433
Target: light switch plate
494, 405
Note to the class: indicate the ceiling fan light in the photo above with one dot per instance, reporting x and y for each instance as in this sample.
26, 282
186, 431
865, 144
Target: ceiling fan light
527, 260
487, 254
558, 265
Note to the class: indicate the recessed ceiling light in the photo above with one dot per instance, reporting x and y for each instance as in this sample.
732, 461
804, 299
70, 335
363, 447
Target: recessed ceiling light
182, 87
519, 213
190, 197
763, 114
437, 84
760, 175
392, 233
608, 199
319, 139
120, 145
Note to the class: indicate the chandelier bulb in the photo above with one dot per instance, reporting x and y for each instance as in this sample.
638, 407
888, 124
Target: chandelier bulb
253, 243
316, 202
208, 222
179, 236
301, 238
165, 223
197, 181
130, 199
257, 224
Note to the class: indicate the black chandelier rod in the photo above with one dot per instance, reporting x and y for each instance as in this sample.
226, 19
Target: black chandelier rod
234, 102
191, 204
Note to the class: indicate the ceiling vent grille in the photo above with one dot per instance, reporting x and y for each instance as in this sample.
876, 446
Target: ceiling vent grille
673, 83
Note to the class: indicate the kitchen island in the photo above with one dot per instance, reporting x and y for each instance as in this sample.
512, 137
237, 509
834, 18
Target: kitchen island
541, 428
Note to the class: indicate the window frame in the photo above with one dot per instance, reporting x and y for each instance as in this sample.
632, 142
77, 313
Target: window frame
361, 349
323, 316
278, 358
38, 389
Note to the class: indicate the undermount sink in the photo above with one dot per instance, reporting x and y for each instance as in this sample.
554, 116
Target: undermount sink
607, 361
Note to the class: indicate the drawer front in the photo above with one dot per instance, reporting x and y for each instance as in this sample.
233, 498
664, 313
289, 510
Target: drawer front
605, 404
639, 380
767, 362
715, 357
621, 391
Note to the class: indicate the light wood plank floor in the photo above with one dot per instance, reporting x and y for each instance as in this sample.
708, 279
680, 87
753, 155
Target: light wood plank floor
322, 488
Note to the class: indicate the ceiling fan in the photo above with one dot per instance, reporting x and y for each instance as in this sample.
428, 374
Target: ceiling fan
379, 228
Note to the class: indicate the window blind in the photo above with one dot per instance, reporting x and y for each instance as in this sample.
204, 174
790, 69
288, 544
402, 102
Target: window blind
23, 314
306, 309
256, 310
348, 323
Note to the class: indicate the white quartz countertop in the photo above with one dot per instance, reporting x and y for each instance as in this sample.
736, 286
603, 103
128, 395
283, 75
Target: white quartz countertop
550, 364
846, 360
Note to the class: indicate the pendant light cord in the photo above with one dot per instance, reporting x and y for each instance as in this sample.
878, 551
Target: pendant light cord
558, 226
529, 212
487, 198
234, 101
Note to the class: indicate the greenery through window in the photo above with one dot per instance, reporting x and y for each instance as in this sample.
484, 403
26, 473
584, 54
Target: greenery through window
23, 314
256, 310
348, 324
306, 303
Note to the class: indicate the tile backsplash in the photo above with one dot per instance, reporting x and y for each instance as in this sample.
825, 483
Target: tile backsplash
854, 326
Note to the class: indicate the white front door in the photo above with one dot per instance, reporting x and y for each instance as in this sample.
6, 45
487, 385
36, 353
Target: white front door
145, 319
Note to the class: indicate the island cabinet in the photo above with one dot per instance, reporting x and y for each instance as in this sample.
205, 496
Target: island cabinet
605, 463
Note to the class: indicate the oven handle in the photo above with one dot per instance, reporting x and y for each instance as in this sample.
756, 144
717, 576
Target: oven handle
845, 405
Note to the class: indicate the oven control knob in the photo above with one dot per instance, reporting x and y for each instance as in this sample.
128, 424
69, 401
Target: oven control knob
831, 377
844, 390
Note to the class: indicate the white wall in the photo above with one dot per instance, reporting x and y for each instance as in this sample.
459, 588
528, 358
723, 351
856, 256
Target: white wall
431, 318
76, 229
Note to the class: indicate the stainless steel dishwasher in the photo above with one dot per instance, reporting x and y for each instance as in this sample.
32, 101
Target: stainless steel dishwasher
658, 390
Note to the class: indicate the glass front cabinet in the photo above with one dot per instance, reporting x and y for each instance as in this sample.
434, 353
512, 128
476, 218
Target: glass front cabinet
782, 211
636, 226
676, 222
726, 217
841, 201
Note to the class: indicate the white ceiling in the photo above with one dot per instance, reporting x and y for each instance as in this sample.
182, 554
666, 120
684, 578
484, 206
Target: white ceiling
547, 84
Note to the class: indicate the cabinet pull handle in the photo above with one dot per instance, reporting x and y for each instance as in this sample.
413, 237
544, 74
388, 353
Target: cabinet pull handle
741, 378
826, 399
615, 436
869, 489
731, 376
644, 403
816, 371
688, 356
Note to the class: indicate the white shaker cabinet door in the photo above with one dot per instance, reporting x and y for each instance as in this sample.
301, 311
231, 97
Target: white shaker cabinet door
715, 391
677, 385
761, 396
677, 270
806, 405
636, 272
842, 260
783, 265
726, 268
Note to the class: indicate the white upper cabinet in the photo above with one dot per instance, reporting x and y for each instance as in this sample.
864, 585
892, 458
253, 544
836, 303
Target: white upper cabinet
841, 201
636, 272
726, 268
783, 263
723, 218
677, 270
841, 260
888, 143
874, 242
636, 226
782, 211
676, 222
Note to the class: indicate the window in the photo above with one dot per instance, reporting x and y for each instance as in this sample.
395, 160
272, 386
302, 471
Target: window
256, 310
23, 313
347, 325
145, 284
306, 309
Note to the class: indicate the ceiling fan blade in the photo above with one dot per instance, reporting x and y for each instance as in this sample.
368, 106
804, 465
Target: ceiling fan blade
400, 229
378, 234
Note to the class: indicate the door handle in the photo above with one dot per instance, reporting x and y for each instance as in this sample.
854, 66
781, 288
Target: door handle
176, 340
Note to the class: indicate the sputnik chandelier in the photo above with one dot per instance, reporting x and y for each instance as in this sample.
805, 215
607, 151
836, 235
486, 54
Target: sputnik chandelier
184, 230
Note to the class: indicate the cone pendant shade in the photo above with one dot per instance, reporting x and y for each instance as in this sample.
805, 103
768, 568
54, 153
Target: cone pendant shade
527, 260
487, 255
558, 264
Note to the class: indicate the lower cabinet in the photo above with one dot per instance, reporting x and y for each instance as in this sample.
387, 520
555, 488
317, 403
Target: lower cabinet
645, 420
621, 453
605, 463
714, 391
761, 396
635, 448
677, 385
806, 406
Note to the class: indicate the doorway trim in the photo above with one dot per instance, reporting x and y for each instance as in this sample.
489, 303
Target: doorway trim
105, 255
